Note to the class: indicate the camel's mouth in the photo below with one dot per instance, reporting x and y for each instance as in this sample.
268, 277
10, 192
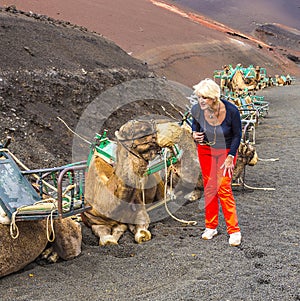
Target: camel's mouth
148, 151
254, 160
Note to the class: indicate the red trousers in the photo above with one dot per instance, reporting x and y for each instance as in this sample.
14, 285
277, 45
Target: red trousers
217, 187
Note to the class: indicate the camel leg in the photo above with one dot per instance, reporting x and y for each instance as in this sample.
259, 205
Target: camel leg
46, 253
104, 234
141, 233
193, 196
118, 231
197, 191
68, 238
50, 255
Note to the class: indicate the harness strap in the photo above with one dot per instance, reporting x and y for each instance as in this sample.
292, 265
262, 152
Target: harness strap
134, 138
137, 155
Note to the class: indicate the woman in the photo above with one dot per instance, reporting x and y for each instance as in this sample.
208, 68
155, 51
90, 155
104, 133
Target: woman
217, 130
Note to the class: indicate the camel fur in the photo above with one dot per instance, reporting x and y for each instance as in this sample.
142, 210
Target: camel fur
16, 253
238, 83
281, 80
225, 78
119, 194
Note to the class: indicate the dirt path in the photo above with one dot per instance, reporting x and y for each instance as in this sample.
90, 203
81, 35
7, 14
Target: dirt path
176, 264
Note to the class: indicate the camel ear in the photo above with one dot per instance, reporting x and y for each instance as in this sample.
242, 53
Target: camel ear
117, 135
168, 133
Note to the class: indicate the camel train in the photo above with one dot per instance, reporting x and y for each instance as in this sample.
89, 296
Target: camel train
238, 79
239, 85
118, 194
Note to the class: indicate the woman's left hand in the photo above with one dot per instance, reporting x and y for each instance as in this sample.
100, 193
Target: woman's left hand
228, 166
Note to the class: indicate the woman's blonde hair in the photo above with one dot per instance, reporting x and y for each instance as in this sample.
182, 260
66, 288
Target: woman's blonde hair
208, 88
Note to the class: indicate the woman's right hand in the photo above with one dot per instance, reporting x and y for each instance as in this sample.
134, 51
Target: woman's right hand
198, 137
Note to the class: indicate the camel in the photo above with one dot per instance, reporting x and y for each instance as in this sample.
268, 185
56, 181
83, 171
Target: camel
247, 155
259, 79
288, 80
22, 241
270, 82
119, 194
225, 78
237, 83
16, 253
281, 80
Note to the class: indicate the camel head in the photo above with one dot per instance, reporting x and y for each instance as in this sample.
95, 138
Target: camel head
247, 155
187, 169
226, 69
139, 137
144, 139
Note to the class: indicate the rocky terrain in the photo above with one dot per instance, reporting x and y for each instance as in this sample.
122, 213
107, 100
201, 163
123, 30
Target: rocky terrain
52, 68
55, 72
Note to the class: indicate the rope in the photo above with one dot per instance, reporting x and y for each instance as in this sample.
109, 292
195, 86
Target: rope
142, 181
193, 223
158, 204
167, 113
14, 230
50, 217
269, 160
70, 187
257, 188
88, 142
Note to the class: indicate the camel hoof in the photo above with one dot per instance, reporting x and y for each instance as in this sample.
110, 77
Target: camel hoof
142, 236
53, 258
50, 255
46, 253
193, 196
107, 240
